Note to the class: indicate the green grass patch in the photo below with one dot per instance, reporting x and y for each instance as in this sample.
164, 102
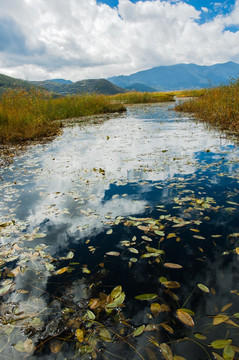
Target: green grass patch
218, 106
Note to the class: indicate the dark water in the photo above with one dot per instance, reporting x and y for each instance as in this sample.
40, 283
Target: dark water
115, 203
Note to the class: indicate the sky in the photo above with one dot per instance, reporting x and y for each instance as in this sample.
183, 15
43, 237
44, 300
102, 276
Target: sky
82, 39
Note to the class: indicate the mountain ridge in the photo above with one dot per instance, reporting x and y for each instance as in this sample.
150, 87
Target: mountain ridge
180, 76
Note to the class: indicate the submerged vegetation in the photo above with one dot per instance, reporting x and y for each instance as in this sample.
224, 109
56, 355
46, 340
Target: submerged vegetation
218, 106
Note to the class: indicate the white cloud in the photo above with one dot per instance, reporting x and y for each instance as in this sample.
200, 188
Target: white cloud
79, 39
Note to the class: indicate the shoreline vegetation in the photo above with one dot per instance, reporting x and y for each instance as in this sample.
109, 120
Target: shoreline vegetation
218, 106
32, 115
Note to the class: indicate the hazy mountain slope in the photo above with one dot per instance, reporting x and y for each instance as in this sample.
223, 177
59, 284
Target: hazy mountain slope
181, 76
99, 86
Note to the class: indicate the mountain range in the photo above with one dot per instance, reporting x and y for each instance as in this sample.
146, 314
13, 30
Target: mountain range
179, 77
160, 78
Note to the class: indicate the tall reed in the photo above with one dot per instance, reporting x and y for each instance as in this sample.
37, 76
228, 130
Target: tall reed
218, 106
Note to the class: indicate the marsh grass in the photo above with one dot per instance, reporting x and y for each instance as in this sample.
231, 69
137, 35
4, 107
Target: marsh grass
31, 115
218, 106
135, 97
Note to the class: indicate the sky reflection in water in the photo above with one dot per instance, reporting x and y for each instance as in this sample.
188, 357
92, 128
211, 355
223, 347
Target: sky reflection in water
73, 188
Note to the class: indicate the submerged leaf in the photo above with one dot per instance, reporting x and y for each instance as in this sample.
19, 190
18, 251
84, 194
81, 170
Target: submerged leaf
155, 309
116, 292
62, 270
105, 335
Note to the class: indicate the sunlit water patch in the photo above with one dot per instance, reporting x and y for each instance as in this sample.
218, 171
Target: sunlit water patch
120, 239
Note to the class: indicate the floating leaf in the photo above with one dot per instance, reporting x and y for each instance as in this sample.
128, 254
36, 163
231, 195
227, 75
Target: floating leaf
109, 232
80, 335
221, 343
220, 318
171, 235
228, 352
155, 309
236, 315
185, 318
190, 312
133, 250
173, 266
167, 328
146, 238
204, 288
28, 345
171, 284
166, 351
62, 270
70, 255
227, 306
146, 296
160, 233
139, 330
19, 346
116, 292
113, 253
199, 237
200, 336
230, 322
217, 356
90, 315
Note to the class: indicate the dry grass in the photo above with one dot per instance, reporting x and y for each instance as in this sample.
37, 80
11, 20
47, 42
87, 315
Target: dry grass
135, 97
218, 106
30, 115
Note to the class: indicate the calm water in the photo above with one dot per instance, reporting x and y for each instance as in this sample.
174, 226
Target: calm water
119, 202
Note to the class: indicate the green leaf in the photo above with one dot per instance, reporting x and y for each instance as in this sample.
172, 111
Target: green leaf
221, 343
146, 296
105, 335
116, 292
19, 346
200, 336
228, 352
90, 315
236, 315
139, 330
204, 288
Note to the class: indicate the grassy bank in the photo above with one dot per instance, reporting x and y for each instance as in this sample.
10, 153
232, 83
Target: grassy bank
30, 115
142, 98
218, 106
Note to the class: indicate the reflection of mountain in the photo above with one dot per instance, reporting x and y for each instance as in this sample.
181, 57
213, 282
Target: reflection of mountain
180, 76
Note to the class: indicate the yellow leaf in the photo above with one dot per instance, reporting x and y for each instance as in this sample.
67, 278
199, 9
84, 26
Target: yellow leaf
166, 351
62, 270
237, 250
185, 318
220, 318
173, 266
226, 307
80, 335
155, 309
167, 327
171, 284
56, 346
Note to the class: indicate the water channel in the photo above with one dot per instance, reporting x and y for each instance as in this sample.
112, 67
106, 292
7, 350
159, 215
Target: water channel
142, 207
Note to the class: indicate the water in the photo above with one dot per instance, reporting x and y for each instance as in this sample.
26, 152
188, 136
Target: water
113, 203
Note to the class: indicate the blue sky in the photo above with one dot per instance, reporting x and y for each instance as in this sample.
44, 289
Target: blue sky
79, 39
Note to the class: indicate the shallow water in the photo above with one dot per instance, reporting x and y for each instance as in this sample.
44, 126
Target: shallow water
89, 211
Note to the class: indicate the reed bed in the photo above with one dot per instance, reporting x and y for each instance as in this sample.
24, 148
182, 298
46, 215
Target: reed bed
30, 115
218, 106
135, 97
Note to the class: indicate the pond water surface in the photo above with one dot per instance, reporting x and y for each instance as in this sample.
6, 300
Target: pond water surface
142, 207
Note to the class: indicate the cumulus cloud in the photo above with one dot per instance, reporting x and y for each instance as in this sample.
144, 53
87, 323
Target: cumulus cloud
75, 39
